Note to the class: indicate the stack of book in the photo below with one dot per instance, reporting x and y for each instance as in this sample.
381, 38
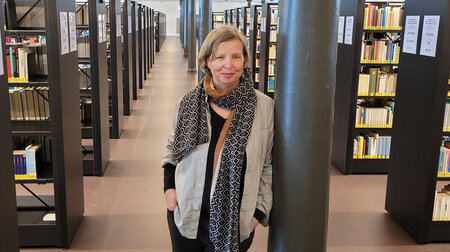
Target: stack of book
441, 209
377, 83
388, 18
29, 103
372, 146
25, 162
380, 51
374, 117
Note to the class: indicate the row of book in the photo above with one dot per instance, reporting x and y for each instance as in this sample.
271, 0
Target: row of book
274, 17
380, 51
377, 83
24, 62
446, 125
372, 146
272, 52
388, 17
271, 84
441, 209
38, 40
26, 162
83, 46
444, 159
378, 117
271, 68
273, 36
217, 18
29, 103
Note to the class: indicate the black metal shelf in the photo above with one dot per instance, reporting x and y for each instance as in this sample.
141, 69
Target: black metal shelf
413, 168
28, 126
376, 96
381, 30
25, 32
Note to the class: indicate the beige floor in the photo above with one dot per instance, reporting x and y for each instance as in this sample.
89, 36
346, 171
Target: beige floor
125, 209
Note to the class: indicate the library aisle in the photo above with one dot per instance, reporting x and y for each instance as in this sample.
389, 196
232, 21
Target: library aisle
125, 209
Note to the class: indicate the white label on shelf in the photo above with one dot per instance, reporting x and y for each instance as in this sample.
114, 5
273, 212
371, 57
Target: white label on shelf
104, 27
411, 34
137, 23
72, 32
1, 59
263, 24
129, 24
100, 28
251, 24
118, 25
341, 29
430, 33
64, 32
348, 30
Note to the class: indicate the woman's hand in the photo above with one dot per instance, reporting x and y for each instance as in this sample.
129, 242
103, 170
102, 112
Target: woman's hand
255, 223
171, 199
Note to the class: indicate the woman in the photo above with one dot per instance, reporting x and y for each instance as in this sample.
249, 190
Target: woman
217, 168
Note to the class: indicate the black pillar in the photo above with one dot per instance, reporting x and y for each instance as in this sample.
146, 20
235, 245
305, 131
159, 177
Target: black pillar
186, 15
205, 24
192, 51
307, 45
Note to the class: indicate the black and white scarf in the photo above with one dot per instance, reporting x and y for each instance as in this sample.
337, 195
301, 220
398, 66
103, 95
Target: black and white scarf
192, 130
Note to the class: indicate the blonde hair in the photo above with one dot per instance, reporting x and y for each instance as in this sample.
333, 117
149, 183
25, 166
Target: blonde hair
217, 36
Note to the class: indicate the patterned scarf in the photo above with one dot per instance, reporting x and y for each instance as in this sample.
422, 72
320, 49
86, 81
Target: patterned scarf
192, 130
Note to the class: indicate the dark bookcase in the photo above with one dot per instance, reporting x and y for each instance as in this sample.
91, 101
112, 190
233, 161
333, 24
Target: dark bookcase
43, 219
96, 152
140, 44
255, 41
245, 23
134, 48
237, 17
115, 74
127, 57
160, 20
269, 20
227, 16
351, 66
9, 236
418, 122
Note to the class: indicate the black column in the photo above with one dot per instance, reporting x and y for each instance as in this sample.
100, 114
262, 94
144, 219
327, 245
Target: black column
192, 51
307, 42
205, 24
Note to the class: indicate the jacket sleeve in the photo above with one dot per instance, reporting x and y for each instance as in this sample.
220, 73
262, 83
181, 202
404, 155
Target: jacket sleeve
167, 158
264, 202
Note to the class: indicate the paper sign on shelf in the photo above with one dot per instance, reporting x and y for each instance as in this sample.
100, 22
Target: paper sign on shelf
430, 33
411, 34
341, 29
118, 25
64, 32
72, 32
100, 28
1, 59
348, 30
251, 24
263, 24
104, 27
129, 25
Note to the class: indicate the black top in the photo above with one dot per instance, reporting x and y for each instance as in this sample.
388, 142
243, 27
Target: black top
217, 123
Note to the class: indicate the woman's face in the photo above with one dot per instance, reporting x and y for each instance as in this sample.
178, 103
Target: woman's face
227, 64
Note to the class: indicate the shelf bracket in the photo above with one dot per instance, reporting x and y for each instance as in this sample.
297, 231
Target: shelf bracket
36, 196
41, 94
87, 75
28, 12
81, 7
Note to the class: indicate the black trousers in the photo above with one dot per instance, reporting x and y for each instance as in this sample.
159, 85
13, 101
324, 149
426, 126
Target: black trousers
183, 244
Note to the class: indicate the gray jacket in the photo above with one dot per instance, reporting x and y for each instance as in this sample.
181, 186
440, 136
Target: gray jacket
190, 174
